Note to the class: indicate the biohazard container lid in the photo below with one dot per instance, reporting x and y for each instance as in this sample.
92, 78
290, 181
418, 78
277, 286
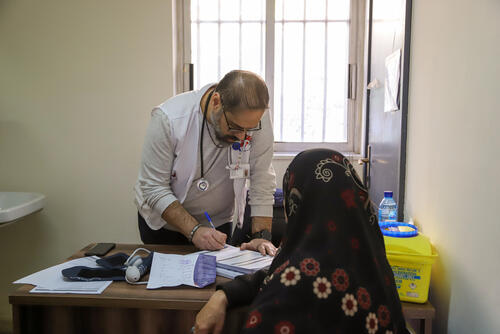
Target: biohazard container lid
406, 240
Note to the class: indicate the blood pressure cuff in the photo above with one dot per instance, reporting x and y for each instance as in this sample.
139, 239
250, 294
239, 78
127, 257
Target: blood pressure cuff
112, 268
115, 261
81, 273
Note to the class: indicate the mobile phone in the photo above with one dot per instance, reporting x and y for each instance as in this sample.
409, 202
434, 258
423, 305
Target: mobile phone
100, 249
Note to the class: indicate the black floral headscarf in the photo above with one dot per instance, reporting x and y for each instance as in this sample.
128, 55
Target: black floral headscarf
331, 275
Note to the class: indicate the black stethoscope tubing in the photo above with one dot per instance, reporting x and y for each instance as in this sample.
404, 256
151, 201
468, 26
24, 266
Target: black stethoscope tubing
201, 139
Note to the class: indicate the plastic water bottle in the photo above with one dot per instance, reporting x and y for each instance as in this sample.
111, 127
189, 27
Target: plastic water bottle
388, 209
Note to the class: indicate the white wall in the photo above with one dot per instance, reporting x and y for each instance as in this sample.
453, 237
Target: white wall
453, 156
77, 82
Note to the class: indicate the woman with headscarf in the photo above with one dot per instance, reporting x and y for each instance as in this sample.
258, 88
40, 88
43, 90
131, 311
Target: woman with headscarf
331, 274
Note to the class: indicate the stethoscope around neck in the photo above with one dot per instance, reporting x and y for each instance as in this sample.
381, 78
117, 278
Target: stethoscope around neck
203, 183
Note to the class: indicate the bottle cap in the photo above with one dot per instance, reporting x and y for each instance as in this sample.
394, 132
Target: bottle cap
388, 194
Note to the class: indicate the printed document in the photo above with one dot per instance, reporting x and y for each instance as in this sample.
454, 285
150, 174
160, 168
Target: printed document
243, 261
169, 270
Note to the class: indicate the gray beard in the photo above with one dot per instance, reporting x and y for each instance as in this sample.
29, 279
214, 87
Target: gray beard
224, 140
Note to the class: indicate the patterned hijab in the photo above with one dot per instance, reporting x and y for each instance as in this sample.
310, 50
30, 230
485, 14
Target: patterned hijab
331, 275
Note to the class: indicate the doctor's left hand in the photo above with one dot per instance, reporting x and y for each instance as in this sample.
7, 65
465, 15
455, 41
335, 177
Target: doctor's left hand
260, 245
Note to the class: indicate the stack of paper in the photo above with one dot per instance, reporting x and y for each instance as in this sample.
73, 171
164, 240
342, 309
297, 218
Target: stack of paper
232, 262
51, 280
228, 273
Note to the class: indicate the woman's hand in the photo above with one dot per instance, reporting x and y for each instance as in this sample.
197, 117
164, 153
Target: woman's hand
211, 317
260, 245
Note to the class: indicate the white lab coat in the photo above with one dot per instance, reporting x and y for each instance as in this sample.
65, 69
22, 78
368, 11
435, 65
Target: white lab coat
185, 116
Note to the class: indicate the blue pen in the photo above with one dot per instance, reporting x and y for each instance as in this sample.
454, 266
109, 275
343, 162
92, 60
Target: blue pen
209, 220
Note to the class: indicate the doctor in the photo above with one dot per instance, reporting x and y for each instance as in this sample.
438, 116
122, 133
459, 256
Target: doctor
200, 148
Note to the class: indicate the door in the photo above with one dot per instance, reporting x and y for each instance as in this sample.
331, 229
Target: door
385, 150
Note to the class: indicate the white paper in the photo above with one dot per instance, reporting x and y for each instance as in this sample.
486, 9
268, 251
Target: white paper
169, 270
86, 291
392, 79
228, 273
245, 261
374, 84
51, 280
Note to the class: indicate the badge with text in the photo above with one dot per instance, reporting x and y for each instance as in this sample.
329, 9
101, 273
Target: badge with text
239, 171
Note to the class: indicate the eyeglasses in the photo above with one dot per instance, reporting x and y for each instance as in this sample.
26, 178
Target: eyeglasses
238, 129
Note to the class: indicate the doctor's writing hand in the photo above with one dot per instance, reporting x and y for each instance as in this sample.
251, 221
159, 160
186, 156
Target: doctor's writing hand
260, 245
209, 238
211, 317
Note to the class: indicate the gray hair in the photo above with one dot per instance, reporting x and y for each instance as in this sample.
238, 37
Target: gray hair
243, 90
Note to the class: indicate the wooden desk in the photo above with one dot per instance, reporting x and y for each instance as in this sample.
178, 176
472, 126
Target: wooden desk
423, 313
123, 308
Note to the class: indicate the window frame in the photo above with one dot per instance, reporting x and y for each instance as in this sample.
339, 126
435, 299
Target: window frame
355, 119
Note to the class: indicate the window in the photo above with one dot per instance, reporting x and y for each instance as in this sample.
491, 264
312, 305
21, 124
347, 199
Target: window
306, 50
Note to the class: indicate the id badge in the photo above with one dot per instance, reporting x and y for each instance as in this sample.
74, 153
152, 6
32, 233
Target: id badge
239, 172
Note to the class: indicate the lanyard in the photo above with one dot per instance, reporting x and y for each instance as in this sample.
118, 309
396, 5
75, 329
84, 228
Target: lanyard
230, 157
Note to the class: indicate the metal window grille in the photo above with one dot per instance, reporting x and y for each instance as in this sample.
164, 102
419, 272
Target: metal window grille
316, 108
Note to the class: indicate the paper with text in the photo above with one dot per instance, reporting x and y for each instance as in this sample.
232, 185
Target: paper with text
244, 261
170, 270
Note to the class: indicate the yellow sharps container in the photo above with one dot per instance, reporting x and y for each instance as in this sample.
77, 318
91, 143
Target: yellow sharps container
411, 256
